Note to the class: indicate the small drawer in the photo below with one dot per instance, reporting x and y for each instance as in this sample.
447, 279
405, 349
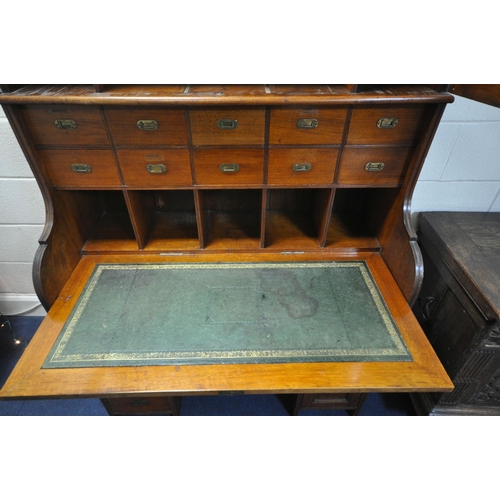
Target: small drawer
290, 167
147, 126
66, 125
143, 406
229, 167
155, 168
227, 126
307, 126
374, 166
386, 125
81, 168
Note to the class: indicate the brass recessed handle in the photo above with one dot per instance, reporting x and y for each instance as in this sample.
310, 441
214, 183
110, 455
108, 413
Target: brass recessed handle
227, 124
374, 166
63, 124
387, 123
302, 167
81, 168
229, 167
156, 169
307, 123
147, 125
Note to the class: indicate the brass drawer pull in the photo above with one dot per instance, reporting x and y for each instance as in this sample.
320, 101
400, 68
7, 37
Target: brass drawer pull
81, 168
229, 167
147, 125
387, 123
374, 167
156, 169
227, 124
307, 123
302, 167
65, 124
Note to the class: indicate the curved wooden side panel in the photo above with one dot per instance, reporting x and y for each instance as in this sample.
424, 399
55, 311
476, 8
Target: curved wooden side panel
62, 238
400, 249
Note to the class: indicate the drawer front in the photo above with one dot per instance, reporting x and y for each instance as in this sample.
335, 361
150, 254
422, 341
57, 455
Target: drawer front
292, 167
229, 167
155, 168
147, 126
143, 406
66, 125
332, 401
307, 126
374, 166
387, 125
81, 168
226, 126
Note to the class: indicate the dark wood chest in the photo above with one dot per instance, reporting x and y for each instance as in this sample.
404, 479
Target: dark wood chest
459, 309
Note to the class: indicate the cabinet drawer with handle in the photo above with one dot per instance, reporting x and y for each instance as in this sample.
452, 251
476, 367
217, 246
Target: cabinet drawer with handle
307, 126
297, 166
221, 126
229, 167
155, 168
81, 168
147, 126
66, 125
374, 166
386, 125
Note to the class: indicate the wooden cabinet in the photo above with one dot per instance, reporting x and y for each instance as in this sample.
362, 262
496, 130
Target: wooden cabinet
247, 174
459, 309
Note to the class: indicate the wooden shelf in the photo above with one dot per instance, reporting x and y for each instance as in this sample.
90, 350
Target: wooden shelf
342, 234
113, 233
290, 231
173, 231
233, 230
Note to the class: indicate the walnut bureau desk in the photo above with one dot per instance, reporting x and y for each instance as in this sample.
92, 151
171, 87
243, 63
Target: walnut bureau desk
226, 239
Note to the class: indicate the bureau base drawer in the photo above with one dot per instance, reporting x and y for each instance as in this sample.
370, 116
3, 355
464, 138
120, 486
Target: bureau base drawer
352, 403
143, 406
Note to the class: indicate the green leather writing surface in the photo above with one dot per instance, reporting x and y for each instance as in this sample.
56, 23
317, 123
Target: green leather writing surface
171, 314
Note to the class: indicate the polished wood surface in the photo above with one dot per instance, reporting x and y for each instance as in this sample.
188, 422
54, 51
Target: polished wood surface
364, 128
157, 192
328, 128
88, 122
29, 379
210, 164
485, 93
103, 172
322, 163
171, 129
175, 169
249, 130
229, 95
353, 168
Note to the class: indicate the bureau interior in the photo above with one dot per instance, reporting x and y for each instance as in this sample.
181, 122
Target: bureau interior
347, 219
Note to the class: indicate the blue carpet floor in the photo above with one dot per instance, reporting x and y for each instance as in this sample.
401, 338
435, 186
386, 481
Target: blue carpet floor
23, 328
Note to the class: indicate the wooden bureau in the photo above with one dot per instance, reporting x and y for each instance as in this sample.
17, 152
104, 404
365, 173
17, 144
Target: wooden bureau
135, 174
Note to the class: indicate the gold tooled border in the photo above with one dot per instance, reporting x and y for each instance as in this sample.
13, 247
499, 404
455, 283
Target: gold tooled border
57, 357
